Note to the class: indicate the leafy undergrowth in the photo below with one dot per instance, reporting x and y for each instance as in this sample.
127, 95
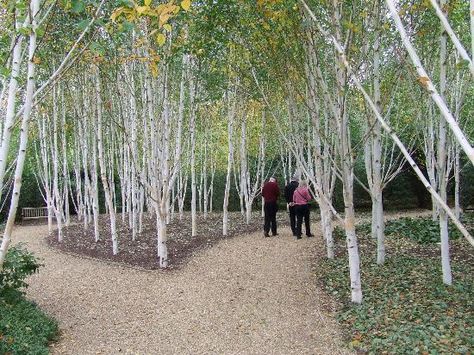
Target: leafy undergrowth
406, 306
24, 328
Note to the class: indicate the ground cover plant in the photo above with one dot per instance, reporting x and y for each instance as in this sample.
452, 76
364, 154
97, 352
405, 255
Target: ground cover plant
406, 308
24, 328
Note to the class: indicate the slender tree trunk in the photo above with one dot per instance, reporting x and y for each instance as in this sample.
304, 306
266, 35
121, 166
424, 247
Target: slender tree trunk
442, 164
30, 87
192, 129
10, 112
347, 170
376, 158
103, 169
58, 203
230, 127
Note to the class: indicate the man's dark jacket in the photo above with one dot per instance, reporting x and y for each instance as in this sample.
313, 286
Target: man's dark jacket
270, 191
289, 190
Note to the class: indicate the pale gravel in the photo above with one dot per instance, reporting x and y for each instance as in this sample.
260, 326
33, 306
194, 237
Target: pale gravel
246, 295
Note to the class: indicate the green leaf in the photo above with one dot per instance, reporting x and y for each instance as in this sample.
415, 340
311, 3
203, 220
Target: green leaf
81, 26
78, 6
4, 71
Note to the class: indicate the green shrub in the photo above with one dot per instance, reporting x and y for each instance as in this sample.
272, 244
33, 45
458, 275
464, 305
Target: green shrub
422, 230
24, 329
19, 264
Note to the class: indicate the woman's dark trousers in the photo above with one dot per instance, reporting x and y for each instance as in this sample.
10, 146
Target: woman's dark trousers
302, 212
270, 210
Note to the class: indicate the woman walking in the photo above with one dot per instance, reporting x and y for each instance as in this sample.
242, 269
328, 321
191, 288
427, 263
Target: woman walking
301, 198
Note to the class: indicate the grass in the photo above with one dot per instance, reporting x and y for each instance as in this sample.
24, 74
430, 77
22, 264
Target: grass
406, 307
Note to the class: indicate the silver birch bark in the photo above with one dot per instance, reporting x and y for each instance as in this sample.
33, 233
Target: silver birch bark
58, 202
231, 105
10, 111
374, 150
103, 169
345, 155
192, 130
442, 163
30, 87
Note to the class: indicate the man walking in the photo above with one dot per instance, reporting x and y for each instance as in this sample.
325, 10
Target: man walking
270, 193
289, 190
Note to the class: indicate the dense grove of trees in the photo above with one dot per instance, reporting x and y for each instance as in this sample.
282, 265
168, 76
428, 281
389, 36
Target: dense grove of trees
126, 108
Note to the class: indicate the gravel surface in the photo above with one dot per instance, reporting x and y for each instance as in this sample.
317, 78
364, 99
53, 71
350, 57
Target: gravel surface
246, 295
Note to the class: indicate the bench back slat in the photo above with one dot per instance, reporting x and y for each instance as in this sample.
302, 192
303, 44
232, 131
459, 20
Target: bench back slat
34, 212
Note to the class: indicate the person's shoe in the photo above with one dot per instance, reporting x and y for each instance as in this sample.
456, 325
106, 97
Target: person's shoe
298, 237
310, 235
266, 235
275, 235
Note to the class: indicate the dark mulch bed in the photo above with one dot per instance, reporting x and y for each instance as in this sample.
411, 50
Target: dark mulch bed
143, 251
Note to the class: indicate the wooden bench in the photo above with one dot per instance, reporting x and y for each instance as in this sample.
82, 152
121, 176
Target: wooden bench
34, 212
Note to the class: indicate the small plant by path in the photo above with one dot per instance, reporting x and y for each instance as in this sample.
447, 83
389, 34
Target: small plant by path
24, 328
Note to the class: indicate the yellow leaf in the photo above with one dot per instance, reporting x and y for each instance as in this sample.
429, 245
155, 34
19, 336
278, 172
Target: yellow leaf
154, 69
160, 39
141, 9
36, 60
355, 343
424, 81
147, 2
167, 27
117, 13
164, 17
186, 4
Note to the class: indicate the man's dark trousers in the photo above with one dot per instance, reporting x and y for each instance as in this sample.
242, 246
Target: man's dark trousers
302, 211
292, 210
270, 209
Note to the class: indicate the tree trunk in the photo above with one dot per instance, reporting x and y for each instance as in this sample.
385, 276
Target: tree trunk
30, 87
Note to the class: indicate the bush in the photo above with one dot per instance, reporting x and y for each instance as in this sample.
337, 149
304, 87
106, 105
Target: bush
24, 329
422, 230
19, 264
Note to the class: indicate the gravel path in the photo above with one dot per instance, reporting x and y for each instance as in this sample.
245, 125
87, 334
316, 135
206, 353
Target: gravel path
247, 295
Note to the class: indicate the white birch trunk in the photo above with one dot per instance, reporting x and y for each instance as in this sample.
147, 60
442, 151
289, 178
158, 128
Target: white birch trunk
442, 164
58, 203
192, 129
230, 157
103, 169
30, 87
10, 111
347, 170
